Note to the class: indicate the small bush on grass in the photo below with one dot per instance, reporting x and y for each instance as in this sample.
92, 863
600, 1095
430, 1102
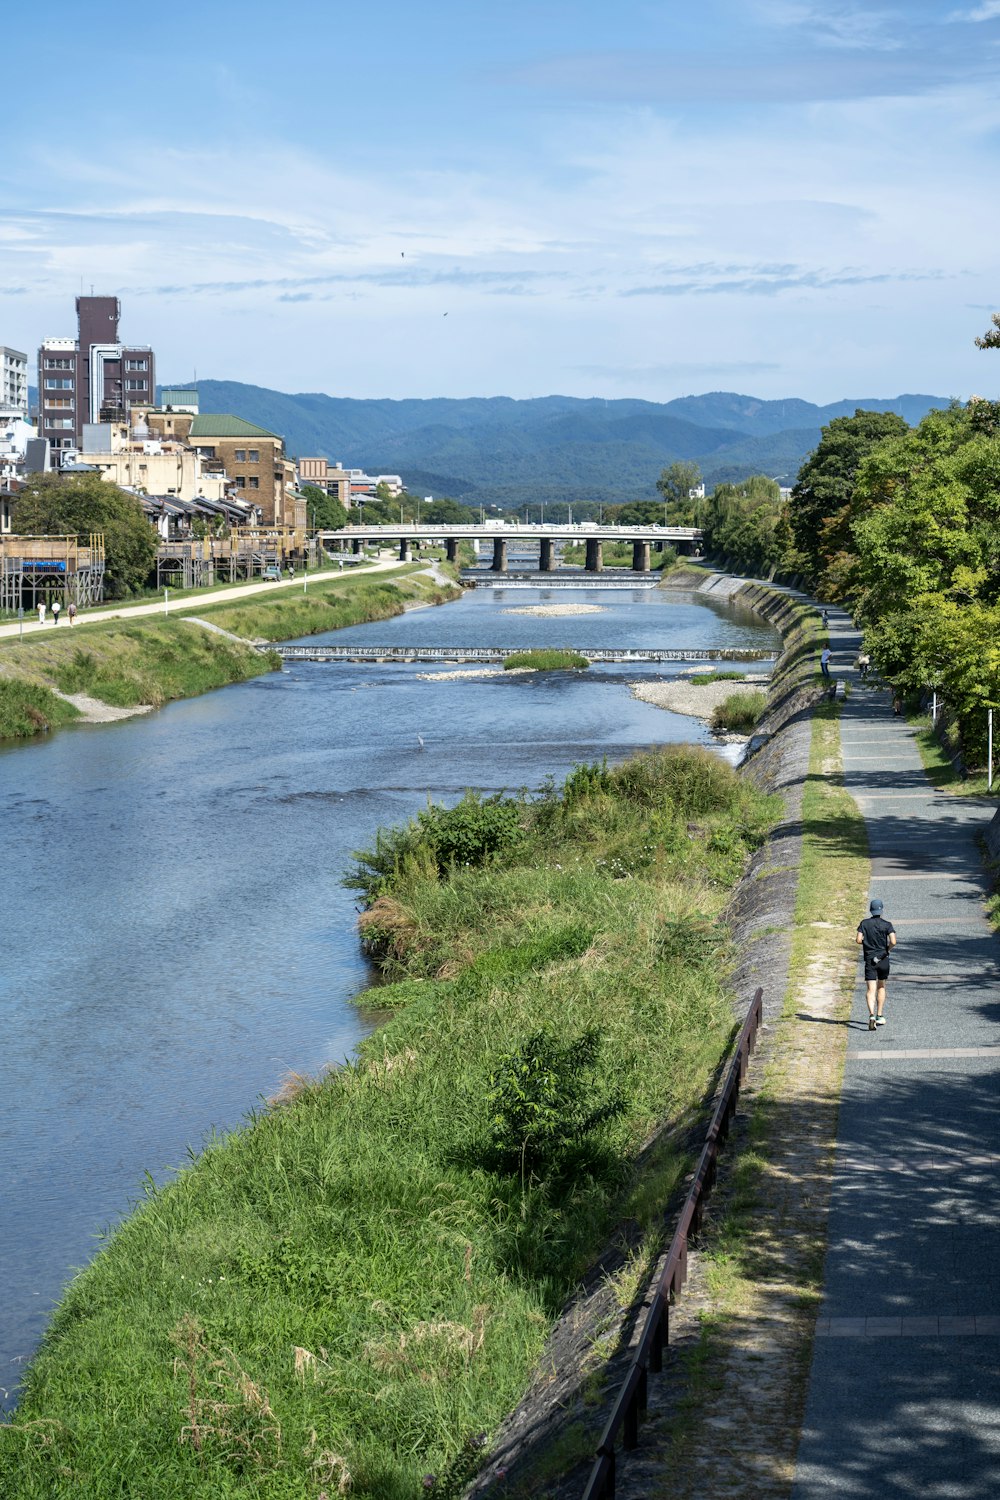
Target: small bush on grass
546, 1105
740, 712
470, 833
701, 679
545, 661
27, 708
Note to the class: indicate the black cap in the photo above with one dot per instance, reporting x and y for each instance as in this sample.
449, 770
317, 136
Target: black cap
875, 907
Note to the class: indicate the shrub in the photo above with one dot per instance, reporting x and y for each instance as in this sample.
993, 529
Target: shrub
545, 1105
470, 833
545, 661
740, 712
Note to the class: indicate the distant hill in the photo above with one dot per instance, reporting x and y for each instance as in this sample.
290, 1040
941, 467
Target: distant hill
502, 451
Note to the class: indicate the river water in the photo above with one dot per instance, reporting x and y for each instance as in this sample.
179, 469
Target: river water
176, 937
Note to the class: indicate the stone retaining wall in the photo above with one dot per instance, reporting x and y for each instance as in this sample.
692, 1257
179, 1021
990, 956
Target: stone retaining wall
540, 1448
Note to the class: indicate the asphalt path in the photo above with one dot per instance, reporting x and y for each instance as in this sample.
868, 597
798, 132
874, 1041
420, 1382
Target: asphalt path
190, 601
904, 1388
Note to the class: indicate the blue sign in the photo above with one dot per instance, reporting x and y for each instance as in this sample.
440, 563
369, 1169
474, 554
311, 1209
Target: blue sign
45, 564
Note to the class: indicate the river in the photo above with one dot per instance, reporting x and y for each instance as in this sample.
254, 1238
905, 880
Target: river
176, 935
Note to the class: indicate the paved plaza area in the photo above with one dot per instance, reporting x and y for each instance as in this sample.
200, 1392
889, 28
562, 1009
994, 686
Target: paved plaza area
904, 1389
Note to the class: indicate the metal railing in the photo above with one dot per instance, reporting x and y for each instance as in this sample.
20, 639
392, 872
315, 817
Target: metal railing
630, 1404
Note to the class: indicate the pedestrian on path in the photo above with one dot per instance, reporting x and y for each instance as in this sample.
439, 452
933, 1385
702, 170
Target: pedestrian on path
864, 662
41, 611
824, 661
71, 612
877, 937
56, 607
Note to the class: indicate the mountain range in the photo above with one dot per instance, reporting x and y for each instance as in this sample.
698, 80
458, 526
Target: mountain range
497, 450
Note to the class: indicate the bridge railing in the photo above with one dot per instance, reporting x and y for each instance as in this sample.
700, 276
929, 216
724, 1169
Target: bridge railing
630, 1404
500, 653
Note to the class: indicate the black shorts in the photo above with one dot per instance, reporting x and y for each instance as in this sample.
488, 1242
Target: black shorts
875, 970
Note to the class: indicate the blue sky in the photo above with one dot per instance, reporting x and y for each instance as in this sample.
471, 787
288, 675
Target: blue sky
769, 196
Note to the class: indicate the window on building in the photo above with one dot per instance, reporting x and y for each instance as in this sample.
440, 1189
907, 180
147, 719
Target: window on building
59, 364
254, 482
254, 456
58, 383
61, 422
51, 402
240, 455
136, 385
241, 482
137, 364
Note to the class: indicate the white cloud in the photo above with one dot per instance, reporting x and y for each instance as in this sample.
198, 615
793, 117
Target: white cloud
989, 11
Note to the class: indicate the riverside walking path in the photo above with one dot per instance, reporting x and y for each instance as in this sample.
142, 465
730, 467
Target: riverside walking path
904, 1387
182, 603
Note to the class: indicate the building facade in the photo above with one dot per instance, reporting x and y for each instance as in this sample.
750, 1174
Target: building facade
330, 478
92, 378
13, 381
252, 459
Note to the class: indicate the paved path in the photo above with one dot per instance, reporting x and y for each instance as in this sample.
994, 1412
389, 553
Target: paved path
179, 606
904, 1392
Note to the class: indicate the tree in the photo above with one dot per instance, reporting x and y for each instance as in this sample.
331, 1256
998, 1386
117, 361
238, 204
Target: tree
748, 523
676, 483
445, 512
324, 511
821, 510
635, 513
77, 504
991, 338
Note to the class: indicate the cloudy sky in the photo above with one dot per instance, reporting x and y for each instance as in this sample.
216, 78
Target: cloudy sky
633, 199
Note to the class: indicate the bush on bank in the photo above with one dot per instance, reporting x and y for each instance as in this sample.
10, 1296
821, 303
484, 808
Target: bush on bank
343, 1295
551, 660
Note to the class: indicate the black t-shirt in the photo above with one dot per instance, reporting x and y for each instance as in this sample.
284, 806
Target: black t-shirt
875, 937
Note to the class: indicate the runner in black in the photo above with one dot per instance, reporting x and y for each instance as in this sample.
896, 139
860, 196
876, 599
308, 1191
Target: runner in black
877, 937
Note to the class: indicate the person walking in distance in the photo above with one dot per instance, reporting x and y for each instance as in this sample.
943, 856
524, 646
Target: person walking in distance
877, 938
56, 607
71, 611
824, 661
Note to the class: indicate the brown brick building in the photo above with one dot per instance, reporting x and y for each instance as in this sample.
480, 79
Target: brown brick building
253, 458
92, 378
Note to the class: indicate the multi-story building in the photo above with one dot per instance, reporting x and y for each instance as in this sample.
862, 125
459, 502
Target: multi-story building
92, 378
252, 458
330, 478
13, 381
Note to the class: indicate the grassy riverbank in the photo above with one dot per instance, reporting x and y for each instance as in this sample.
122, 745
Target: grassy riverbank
156, 659
342, 1296
329, 605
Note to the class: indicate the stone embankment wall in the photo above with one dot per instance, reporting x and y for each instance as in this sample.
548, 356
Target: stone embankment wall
541, 1448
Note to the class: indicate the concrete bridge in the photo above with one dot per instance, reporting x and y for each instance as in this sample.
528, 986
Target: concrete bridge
641, 538
500, 653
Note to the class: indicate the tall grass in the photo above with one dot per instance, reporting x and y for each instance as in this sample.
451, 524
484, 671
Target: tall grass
345, 1293
740, 712
327, 606
28, 708
545, 660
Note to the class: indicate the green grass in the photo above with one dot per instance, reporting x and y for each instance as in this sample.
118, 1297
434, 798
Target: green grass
740, 712
325, 606
28, 708
702, 679
940, 769
156, 659
354, 1283
545, 661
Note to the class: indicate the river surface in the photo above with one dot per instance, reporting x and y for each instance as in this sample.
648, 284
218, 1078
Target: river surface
176, 937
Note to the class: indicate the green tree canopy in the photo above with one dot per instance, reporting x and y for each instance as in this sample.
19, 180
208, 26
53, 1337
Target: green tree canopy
77, 504
927, 534
324, 511
635, 513
677, 481
821, 510
748, 523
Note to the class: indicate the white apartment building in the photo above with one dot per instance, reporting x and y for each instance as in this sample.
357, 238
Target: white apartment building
13, 381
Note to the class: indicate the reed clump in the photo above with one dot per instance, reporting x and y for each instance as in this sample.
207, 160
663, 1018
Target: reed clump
349, 1294
550, 660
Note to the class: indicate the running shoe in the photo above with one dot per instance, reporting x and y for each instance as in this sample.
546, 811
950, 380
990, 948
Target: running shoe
871, 1023
880, 1020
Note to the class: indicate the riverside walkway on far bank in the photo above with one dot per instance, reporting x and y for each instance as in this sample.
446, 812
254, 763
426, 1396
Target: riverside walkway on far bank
904, 1387
191, 600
